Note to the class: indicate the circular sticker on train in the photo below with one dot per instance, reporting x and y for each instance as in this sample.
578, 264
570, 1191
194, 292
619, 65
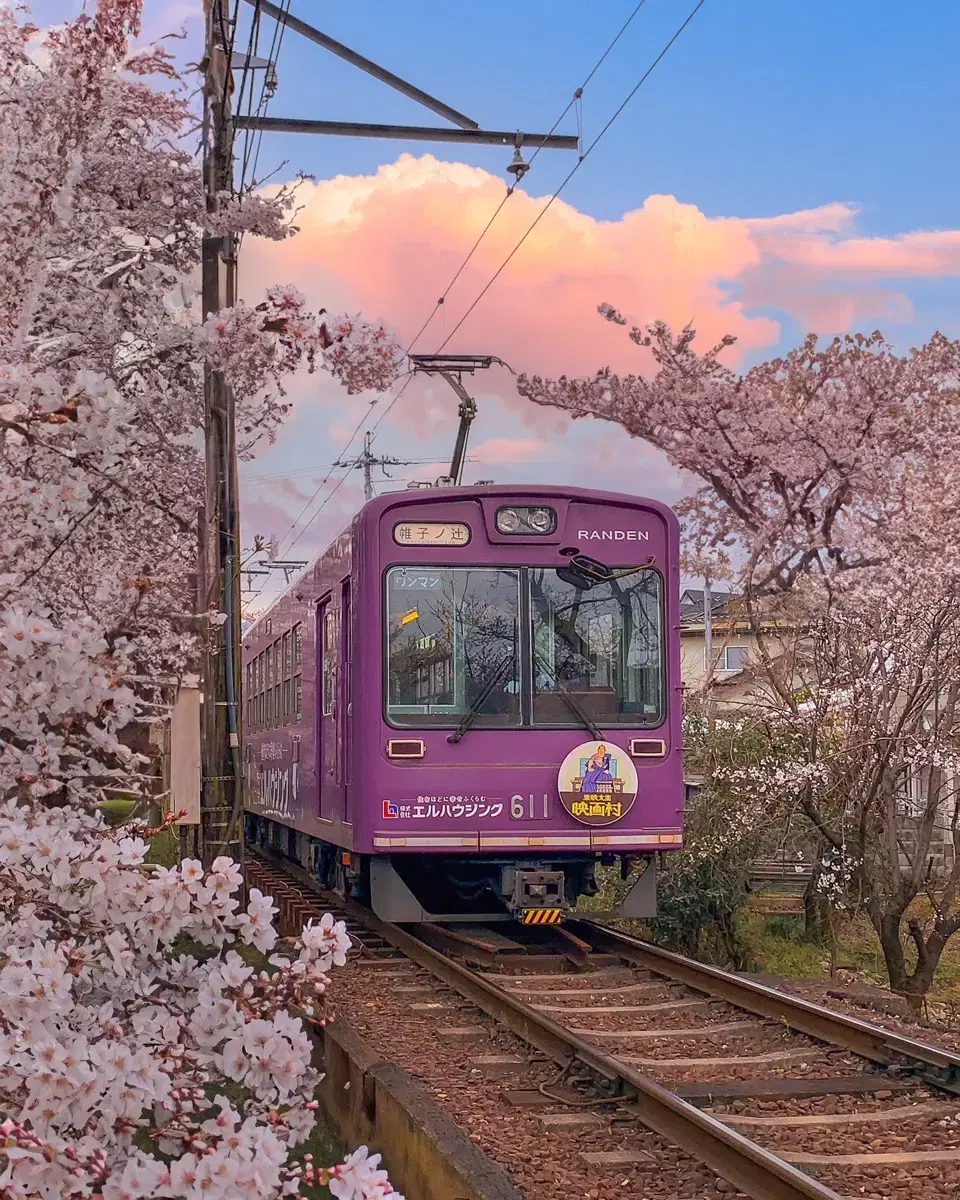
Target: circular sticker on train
597, 783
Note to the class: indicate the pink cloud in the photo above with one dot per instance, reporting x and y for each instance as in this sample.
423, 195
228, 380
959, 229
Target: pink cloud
507, 450
388, 245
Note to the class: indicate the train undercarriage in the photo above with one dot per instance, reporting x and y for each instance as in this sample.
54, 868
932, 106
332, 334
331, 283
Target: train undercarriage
415, 888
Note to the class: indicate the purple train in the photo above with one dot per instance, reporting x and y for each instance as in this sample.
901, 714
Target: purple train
470, 699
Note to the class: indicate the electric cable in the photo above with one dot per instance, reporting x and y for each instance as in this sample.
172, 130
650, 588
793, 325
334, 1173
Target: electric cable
576, 99
536, 221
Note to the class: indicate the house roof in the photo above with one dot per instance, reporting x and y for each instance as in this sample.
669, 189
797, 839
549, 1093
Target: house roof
691, 605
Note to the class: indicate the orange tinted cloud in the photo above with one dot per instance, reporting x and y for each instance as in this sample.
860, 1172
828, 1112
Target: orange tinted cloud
388, 245
504, 450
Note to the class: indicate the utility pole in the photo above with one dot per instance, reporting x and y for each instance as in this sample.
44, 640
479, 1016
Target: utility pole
366, 461
221, 798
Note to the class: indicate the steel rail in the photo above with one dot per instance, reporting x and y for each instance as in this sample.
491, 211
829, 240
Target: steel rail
938, 1067
749, 1167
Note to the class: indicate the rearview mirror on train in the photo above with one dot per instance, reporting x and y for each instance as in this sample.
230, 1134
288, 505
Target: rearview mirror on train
581, 571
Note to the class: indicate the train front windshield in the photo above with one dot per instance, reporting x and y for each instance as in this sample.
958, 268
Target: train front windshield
518, 646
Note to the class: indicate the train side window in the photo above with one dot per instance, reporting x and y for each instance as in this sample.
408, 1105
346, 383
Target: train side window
330, 649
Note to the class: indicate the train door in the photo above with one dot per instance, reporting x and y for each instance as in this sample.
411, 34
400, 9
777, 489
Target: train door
328, 711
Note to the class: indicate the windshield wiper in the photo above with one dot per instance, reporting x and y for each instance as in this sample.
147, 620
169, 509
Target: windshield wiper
474, 710
569, 699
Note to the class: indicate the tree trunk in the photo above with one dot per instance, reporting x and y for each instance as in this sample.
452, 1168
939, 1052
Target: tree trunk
911, 986
815, 909
887, 926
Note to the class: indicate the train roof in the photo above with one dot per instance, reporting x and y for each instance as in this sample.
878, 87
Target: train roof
374, 509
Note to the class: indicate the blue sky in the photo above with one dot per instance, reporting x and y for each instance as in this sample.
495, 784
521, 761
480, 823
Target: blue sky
761, 107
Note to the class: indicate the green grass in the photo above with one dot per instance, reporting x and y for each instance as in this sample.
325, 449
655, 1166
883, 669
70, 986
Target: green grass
115, 812
164, 849
778, 946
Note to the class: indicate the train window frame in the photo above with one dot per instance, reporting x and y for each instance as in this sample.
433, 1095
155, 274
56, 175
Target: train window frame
329, 660
625, 720
407, 720
526, 722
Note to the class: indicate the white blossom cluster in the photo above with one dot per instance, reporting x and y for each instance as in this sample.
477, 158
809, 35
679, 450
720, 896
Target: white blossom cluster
140, 1052
111, 1041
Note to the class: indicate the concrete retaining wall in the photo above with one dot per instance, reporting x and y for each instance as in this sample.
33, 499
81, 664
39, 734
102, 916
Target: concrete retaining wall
426, 1154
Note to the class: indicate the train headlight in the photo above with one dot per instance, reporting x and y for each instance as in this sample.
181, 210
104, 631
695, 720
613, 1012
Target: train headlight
542, 520
526, 520
508, 520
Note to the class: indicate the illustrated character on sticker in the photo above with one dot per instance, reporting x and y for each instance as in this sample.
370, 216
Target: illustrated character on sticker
597, 783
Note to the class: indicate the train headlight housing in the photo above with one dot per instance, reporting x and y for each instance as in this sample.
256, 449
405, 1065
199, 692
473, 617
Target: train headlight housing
542, 520
528, 521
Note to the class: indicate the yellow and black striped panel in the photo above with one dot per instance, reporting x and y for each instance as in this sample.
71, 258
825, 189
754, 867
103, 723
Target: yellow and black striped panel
543, 916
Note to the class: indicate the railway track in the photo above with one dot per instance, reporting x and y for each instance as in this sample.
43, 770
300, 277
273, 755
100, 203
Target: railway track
622, 1052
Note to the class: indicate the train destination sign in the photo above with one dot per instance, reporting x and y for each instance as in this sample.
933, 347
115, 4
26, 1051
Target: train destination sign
431, 533
597, 783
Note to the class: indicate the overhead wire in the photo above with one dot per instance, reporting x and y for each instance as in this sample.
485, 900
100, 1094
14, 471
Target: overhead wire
256, 480
576, 100
536, 221
273, 55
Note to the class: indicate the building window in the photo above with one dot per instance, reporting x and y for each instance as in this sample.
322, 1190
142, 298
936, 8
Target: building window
297, 645
287, 654
912, 799
297, 699
734, 658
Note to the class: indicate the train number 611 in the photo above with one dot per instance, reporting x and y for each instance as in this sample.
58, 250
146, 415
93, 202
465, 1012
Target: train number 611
520, 813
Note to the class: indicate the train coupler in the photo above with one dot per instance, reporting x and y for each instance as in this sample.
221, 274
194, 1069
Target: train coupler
535, 897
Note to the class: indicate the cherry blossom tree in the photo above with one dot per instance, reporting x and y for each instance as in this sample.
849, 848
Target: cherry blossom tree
829, 493
140, 1054
876, 770
730, 823
101, 378
824, 461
